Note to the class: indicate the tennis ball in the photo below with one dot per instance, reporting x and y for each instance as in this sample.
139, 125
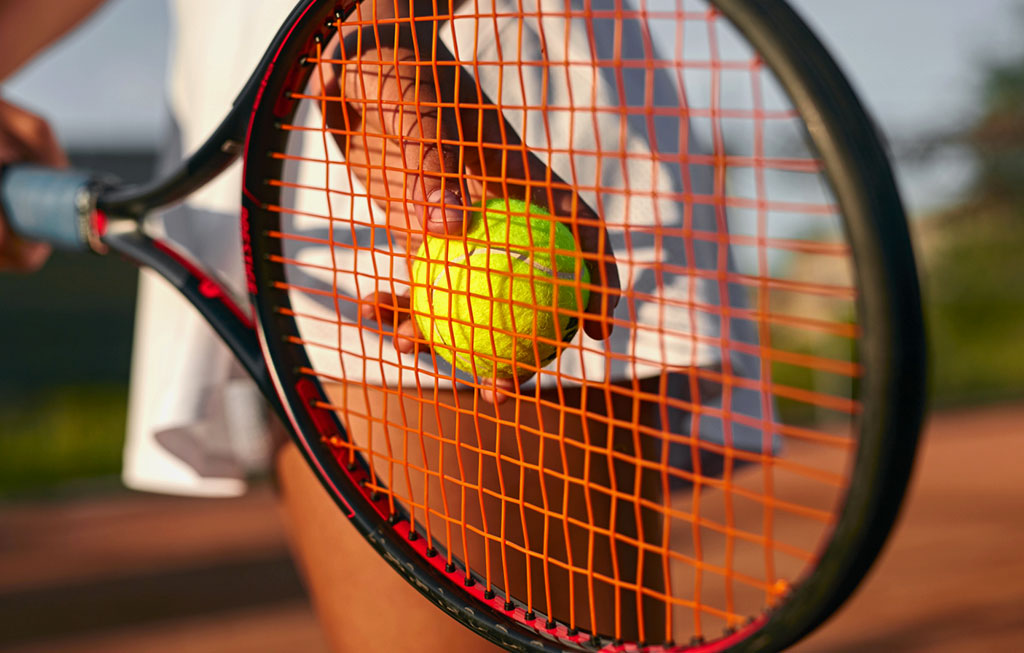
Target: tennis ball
500, 301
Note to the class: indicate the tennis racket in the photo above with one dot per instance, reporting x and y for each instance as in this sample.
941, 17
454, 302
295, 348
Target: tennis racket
714, 461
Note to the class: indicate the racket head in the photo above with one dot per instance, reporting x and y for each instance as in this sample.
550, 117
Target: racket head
840, 396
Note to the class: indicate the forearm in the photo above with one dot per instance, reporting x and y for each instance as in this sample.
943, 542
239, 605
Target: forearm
28, 26
383, 10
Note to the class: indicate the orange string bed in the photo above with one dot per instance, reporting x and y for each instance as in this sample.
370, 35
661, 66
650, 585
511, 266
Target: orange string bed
659, 485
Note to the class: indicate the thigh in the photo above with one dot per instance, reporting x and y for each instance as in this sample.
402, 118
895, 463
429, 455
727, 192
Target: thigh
362, 604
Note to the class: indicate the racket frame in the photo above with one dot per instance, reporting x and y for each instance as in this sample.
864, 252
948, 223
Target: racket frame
892, 348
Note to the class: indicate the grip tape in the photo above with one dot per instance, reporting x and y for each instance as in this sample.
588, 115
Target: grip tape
50, 205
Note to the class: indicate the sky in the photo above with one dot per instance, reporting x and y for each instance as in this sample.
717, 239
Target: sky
915, 63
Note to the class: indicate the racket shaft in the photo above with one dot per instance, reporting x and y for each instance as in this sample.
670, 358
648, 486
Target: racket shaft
53, 206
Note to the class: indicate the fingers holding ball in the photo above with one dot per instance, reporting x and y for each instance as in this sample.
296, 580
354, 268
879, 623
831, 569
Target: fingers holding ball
502, 301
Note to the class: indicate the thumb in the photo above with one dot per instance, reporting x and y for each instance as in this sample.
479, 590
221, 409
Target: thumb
405, 104
444, 208
433, 186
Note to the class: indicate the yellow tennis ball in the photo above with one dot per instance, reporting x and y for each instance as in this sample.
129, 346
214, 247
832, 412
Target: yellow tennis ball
501, 301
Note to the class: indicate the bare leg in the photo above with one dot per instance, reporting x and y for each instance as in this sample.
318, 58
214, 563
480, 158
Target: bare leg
363, 605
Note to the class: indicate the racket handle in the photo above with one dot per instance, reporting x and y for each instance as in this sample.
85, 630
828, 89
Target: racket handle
53, 206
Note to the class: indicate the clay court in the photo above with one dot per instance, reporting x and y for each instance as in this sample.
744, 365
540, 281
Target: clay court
147, 573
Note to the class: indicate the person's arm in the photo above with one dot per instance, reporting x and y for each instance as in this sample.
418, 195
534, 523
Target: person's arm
379, 65
26, 28
29, 26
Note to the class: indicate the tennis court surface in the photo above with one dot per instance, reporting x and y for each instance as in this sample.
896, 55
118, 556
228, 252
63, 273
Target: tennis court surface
130, 572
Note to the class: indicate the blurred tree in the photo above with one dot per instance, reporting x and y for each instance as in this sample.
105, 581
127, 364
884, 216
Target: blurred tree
973, 256
997, 139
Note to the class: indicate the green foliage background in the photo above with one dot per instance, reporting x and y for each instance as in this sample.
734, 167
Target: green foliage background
972, 257
66, 338
974, 289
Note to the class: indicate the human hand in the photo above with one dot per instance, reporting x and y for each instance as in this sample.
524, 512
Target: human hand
401, 138
24, 137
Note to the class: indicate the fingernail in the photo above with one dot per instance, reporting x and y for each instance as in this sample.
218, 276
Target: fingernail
444, 219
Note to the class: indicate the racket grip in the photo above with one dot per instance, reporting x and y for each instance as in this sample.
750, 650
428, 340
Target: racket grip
53, 206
